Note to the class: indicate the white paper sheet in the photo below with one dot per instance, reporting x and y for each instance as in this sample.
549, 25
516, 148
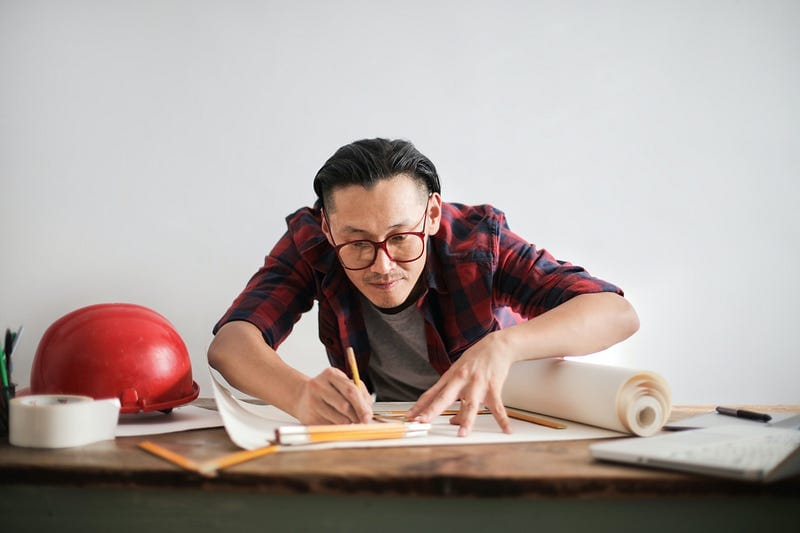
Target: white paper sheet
181, 418
251, 426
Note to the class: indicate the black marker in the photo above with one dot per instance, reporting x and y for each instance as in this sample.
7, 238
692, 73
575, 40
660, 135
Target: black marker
744, 413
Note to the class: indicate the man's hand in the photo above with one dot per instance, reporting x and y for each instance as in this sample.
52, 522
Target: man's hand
584, 324
476, 379
333, 398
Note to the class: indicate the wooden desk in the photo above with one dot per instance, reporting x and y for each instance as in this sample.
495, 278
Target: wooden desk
115, 486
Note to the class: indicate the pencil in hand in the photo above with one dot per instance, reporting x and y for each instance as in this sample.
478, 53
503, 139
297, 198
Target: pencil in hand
351, 361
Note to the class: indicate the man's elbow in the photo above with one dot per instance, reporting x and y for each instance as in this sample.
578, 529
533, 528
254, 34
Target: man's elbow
214, 354
221, 346
627, 319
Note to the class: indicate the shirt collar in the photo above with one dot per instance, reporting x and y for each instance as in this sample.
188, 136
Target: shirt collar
433, 269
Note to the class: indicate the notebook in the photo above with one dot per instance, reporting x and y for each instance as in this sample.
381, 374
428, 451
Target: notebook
745, 452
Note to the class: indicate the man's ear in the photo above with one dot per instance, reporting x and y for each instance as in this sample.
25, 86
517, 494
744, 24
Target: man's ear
326, 229
435, 213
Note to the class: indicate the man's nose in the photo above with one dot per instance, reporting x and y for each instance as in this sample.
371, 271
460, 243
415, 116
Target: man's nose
383, 263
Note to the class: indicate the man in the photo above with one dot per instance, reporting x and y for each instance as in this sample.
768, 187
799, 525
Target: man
437, 300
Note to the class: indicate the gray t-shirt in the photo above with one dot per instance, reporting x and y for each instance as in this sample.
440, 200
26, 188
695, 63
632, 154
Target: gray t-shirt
398, 366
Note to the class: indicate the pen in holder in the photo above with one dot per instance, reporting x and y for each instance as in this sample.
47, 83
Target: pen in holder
9, 388
8, 392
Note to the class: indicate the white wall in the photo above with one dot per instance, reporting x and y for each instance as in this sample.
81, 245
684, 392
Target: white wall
149, 151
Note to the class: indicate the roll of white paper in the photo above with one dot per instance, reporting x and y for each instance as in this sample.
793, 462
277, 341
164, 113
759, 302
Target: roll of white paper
621, 399
61, 421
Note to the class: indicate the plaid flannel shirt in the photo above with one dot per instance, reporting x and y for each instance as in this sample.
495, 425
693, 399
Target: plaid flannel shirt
480, 277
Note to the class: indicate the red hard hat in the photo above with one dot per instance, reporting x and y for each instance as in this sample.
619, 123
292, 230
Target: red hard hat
115, 350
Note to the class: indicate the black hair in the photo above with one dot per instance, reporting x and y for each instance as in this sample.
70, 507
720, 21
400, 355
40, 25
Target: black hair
368, 161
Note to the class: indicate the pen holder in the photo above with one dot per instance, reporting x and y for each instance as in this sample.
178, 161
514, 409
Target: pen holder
8, 392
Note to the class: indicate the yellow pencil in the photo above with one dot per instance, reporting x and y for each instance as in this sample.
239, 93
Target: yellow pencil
446, 412
351, 360
172, 457
211, 466
512, 413
330, 433
389, 419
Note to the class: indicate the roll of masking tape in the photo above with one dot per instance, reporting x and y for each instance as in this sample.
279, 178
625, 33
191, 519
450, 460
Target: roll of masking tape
61, 421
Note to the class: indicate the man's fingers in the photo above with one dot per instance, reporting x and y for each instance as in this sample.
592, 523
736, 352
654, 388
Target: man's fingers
466, 417
369, 399
343, 402
332, 414
433, 402
499, 413
423, 402
355, 403
363, 408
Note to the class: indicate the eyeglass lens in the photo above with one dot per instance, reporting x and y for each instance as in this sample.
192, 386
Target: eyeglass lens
402, 247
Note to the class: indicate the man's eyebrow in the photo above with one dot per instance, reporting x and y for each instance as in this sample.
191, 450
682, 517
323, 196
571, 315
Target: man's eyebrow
355, 229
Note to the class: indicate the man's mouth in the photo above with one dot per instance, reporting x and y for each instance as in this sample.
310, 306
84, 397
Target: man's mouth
384, 284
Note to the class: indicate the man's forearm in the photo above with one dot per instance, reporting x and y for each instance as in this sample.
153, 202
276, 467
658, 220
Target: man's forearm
585, 324
240, 354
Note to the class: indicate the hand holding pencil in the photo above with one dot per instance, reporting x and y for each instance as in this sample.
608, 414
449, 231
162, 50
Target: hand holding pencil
333, 398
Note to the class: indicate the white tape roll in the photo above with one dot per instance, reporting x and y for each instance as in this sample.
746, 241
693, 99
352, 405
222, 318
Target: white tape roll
61, 421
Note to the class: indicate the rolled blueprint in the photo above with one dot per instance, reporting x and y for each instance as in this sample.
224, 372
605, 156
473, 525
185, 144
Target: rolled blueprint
621, 399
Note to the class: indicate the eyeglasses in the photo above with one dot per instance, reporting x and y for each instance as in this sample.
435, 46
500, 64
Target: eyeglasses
403, 247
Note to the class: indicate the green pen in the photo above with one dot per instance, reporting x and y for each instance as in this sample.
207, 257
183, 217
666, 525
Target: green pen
4, 375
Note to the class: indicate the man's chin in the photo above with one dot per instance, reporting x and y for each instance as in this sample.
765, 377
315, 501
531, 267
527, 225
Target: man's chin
387, 299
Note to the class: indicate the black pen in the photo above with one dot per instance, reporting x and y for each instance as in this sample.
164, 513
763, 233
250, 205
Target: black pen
744, 413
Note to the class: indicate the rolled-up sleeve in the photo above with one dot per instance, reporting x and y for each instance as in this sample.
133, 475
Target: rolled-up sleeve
532, 281
277, 294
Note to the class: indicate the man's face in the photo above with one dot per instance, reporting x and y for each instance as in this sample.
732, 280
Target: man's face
392, 206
